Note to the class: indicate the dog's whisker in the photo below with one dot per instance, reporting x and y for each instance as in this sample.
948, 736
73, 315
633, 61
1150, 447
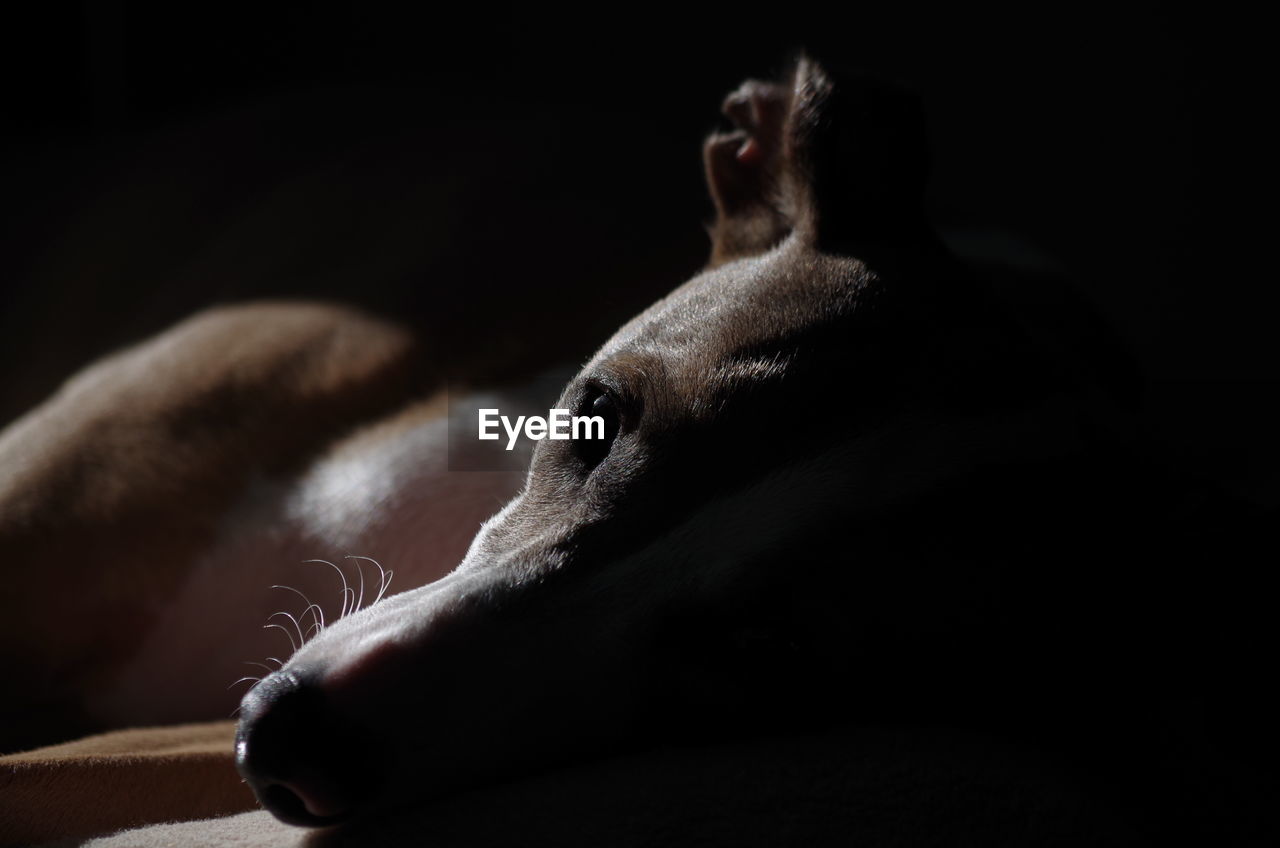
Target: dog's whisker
264, 666
278, 662
312, 608
345, 587
384, 577
296, 626
256, 681
286, 632
360, 571
386, 581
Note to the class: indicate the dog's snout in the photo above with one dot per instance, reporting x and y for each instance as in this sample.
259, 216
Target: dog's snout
296, 755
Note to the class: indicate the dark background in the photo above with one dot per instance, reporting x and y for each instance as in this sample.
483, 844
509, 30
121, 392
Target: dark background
161, 157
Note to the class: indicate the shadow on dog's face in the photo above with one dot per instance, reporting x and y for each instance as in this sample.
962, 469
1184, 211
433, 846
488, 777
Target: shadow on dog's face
804, 447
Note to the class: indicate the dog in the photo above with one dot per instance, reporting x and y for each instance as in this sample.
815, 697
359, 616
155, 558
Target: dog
835, 483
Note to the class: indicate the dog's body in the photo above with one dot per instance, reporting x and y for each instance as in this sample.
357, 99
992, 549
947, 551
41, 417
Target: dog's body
255, 405
839, 483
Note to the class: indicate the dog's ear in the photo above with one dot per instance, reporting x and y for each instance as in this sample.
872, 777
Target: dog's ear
840, 160
859, 155
747, 173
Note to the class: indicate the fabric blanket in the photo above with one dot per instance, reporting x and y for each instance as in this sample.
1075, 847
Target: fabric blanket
177, 787
101, 784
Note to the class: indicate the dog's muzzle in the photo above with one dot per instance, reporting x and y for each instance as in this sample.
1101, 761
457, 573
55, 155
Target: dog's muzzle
306, 766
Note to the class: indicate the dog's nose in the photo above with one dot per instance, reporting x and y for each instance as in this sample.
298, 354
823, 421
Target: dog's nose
302, 762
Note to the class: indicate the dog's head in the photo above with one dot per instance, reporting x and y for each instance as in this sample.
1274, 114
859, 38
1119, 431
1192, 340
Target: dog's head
807, 448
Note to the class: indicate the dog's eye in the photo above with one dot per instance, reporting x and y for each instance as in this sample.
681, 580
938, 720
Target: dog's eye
598, 436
